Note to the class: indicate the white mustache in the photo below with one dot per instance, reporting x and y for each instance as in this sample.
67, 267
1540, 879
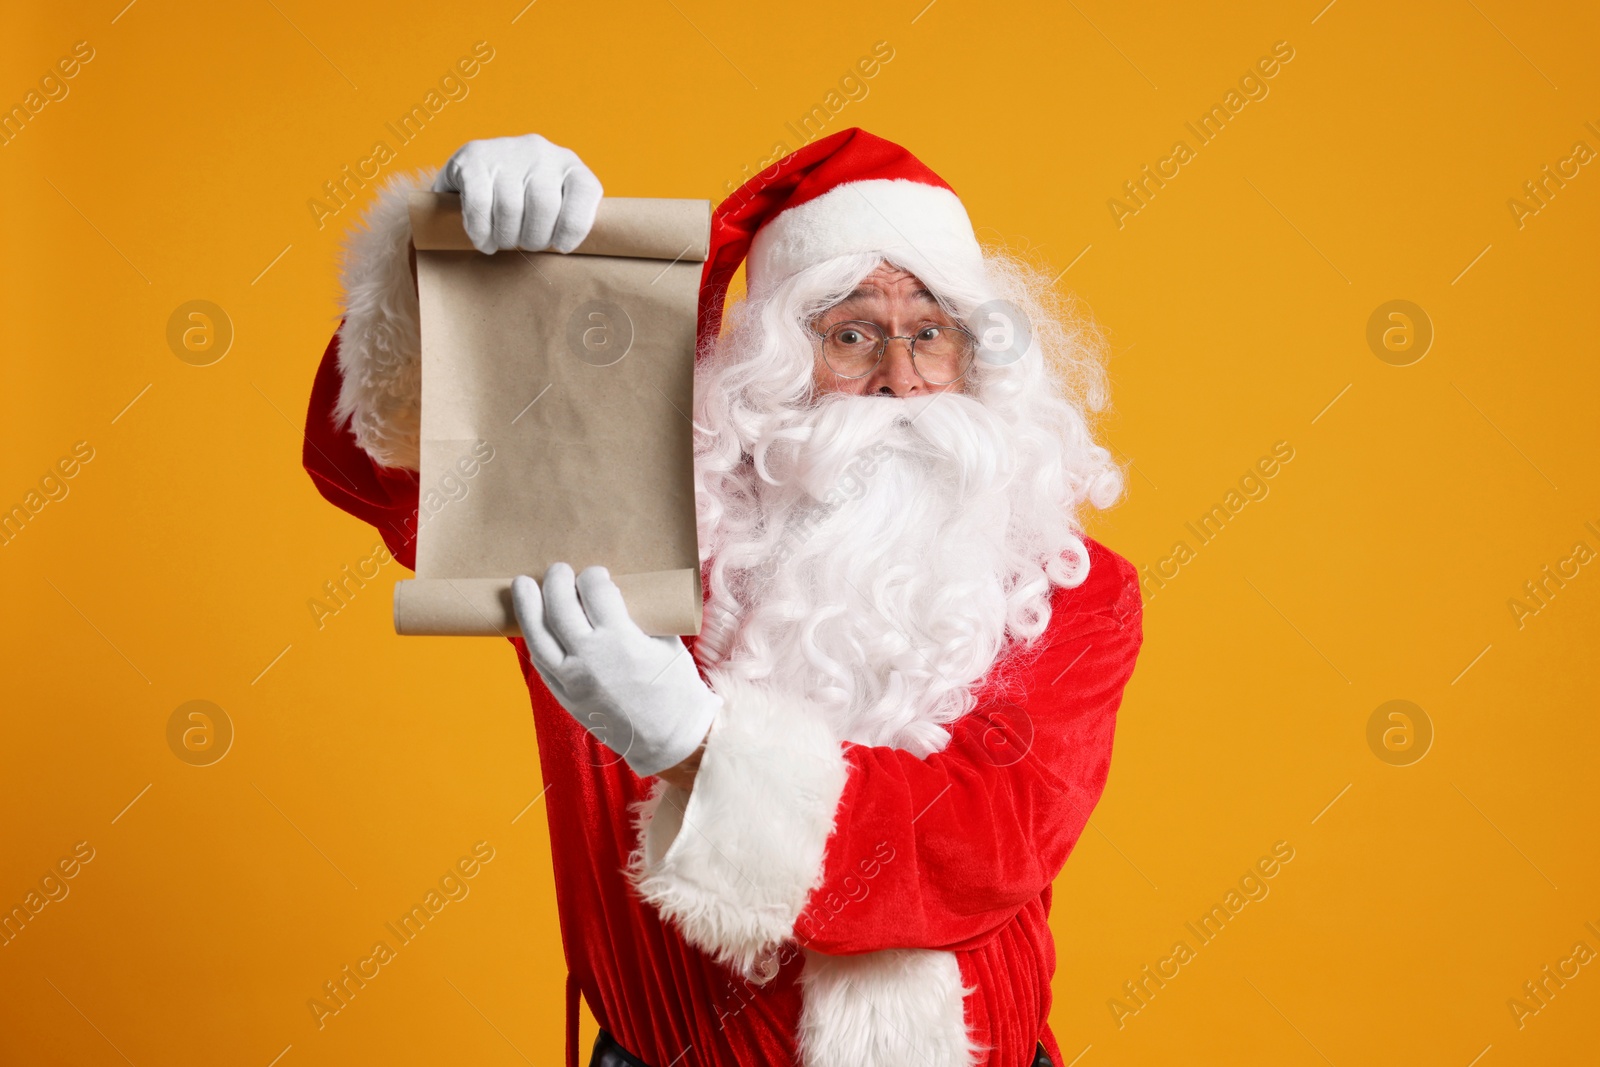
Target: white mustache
950, 434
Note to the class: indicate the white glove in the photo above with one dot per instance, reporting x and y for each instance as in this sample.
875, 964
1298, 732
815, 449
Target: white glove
521, 192
639, 695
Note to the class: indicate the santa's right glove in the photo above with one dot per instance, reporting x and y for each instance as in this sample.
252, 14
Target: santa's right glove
639, 695
521, 192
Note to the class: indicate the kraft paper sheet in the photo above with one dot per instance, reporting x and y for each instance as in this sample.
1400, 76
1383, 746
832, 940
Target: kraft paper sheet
556, 392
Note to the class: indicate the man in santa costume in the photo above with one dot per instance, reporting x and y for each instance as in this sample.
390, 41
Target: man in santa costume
823, 832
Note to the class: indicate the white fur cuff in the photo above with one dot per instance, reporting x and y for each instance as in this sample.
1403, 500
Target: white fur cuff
733, 862
380, 343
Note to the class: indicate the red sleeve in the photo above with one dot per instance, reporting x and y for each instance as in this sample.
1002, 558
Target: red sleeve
386, 497
939, 852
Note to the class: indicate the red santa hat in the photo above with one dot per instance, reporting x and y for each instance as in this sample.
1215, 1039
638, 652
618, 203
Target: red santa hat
848, 192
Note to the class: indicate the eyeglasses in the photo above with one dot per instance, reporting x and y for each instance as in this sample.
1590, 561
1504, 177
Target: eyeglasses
941, 355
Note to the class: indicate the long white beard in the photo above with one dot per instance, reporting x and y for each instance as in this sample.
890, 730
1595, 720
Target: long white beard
866, 562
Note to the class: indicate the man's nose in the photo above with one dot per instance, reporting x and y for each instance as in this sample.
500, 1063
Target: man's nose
896, 373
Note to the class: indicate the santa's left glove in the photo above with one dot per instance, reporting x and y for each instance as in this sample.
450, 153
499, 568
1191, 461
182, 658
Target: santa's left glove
639, 695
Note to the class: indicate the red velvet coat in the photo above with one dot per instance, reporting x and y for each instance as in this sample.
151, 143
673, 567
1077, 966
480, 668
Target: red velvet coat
955, 852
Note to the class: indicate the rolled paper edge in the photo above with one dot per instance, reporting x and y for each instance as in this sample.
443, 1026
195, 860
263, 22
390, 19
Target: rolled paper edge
662, 603
630, 227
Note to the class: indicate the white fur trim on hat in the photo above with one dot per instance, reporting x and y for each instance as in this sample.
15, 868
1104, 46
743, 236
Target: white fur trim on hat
895, 1008
380, 343
909, 222
732, 861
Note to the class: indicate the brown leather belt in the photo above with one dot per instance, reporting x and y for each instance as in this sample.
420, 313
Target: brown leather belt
607, 1053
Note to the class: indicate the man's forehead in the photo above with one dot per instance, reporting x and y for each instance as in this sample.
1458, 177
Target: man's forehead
880, 284
917, 293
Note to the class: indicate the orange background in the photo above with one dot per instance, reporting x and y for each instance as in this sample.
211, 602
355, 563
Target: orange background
1379, 567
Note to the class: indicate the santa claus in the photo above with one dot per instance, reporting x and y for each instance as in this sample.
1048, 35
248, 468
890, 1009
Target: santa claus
824, 831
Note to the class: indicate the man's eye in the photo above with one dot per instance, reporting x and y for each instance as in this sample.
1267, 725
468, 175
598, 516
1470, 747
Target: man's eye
928, 333
850, 337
